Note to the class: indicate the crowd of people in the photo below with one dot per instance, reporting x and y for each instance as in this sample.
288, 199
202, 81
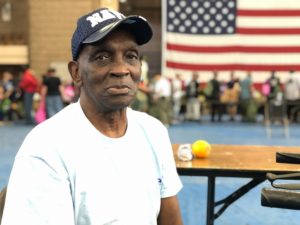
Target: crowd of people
176, 99
171, 100
23, 94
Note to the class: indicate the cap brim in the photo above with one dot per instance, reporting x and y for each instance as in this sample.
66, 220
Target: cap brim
138, 26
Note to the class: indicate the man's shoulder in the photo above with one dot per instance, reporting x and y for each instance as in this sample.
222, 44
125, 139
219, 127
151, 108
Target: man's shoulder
62, 120
144, 118
58, 134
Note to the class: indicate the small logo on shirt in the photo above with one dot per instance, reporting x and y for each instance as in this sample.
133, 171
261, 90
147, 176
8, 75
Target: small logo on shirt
159, 180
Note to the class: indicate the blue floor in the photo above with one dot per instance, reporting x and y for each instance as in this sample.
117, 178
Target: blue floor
245, 211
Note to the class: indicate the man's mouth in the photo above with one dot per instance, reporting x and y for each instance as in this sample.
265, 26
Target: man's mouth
118, 90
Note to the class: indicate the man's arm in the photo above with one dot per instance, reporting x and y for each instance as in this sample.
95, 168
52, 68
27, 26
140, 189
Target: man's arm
169, 212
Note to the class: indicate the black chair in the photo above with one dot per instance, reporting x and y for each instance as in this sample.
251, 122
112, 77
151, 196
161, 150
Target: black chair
283, 194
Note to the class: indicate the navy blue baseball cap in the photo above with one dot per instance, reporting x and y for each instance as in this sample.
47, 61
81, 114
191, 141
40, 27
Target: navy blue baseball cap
96, 25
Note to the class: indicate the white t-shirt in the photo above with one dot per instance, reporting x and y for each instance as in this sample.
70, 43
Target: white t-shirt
67, 172
177, 88
163, 87
292, 90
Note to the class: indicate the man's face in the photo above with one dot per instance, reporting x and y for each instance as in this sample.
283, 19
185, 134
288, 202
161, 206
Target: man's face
110, 72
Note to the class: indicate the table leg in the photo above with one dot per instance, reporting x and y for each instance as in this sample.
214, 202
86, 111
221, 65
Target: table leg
210, 200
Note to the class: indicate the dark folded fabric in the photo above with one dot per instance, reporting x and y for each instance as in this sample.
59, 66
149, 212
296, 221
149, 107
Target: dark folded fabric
280, 199
284, 157
283, 195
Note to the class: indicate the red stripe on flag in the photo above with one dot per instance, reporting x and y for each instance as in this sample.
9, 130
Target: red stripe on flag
276, 13
250, 67
267, 31
233, 48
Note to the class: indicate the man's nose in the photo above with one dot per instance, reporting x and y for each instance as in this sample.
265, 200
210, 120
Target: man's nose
120, 68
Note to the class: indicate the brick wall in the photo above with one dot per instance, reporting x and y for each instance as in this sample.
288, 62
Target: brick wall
51, 26
16, 30
46, 26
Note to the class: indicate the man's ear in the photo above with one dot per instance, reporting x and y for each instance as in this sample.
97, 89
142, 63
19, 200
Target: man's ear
73, 67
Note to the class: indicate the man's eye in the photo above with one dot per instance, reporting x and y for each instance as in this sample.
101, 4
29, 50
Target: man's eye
102, 57
132, 56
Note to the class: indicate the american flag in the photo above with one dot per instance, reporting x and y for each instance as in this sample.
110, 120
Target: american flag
245, 35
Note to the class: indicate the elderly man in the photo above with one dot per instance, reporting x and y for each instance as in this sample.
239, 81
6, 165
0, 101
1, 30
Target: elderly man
98, 161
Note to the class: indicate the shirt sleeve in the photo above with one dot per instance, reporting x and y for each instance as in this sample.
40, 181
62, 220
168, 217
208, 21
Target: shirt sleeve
159, 138
171, 183
38, 191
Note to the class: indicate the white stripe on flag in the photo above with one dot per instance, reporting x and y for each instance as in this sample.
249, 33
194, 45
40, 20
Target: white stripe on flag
225, 40
268, 22
230, 58
268, 4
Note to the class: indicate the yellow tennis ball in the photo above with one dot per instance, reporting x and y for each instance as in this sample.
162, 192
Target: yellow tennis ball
201, 149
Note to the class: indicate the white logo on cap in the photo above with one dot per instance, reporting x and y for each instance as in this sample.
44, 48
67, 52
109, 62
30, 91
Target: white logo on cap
103, 15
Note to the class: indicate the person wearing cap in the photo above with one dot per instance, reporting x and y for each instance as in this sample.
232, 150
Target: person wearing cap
97, 161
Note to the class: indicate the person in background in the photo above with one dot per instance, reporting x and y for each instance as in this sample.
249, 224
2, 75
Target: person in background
8, 85
248, 105
161, 107
13, 97
246, 88
275, 88
52, 91
29, 85
97, 161
2, 104
192, 101
69, 93
292, 95
141, 102
177, 95
214, 98
7, 81
144, 69
230, 96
